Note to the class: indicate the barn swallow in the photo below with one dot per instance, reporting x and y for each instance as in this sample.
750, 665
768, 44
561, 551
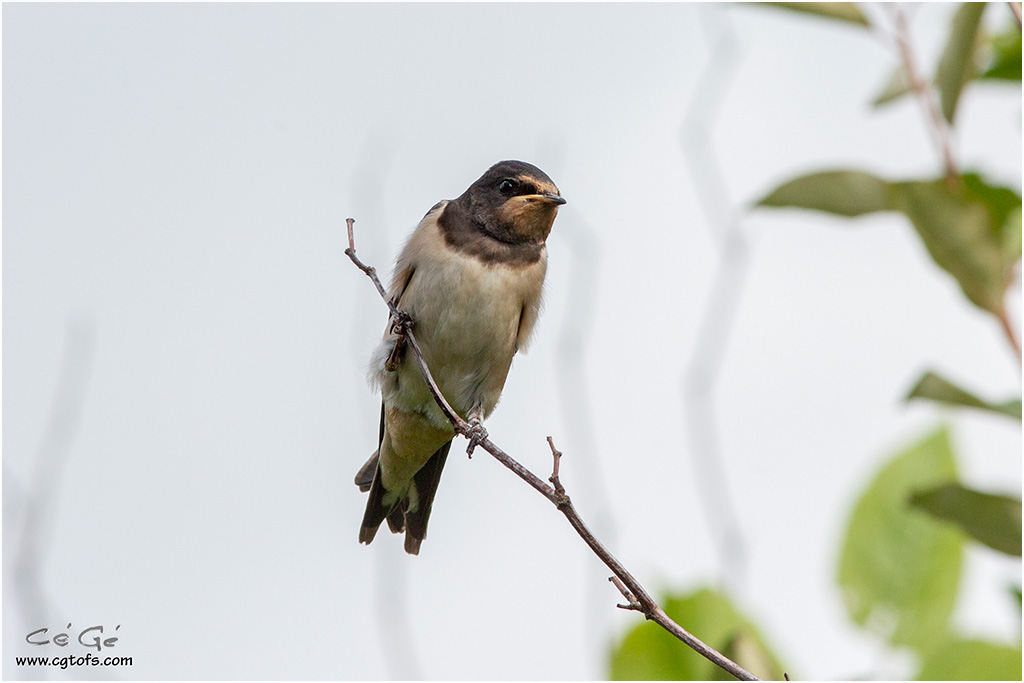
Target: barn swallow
470, 277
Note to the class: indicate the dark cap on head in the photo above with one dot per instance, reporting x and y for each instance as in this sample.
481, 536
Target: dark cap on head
514, 169
513, 178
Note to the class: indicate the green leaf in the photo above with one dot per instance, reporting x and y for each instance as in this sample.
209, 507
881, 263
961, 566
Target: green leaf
958, 62
1010, 238
1005, 56
648, 652
897, 86
1001, 202
898, 568
843, 11
1003, 61
971, 229
985, 517
962, 230
845, 193
935, 388
743, 647
971, 660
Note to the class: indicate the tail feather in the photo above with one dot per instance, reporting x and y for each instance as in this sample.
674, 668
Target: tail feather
425, 481
396, 518
375, 510
410, 511
412, 544
368, 479
364, 478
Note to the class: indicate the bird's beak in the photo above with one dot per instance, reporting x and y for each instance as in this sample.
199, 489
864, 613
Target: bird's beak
548, 197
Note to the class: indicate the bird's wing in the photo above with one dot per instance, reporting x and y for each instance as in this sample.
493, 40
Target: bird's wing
364, 478
410, 255
531, 306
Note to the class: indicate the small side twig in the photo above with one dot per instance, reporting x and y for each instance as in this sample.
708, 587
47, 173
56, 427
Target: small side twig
556, 455
639, 599
1015, 8
370, 271
633, 604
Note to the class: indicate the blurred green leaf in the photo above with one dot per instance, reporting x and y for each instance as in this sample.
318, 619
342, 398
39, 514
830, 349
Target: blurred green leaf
898, 568
971, 229
1001, 202
743, 647
962, 232
649, 653
897, 86
971, 660
1005, 50
846, 193
935, 388
843, 11
1003, 62
958, 62
1011, 237
985, 517
1016, 591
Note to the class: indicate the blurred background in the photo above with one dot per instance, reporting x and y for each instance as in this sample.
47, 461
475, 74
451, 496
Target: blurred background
185, 344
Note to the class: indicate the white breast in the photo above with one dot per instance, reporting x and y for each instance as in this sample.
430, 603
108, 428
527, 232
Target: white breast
467, 320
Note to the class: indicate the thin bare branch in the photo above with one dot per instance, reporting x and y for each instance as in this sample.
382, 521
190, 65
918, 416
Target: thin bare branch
940, 130
370, 271
925, 94
642, 601
400, 643
1011, 336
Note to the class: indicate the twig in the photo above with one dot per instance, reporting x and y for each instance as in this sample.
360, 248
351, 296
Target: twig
572, 382
556, 455
633, 604
926, 96
938, 126
400, 643
1011, 336
642, 600
369, 270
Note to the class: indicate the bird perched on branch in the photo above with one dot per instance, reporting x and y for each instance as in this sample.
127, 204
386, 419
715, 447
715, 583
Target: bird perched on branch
470, 277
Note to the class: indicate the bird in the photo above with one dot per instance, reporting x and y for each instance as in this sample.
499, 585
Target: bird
470, 277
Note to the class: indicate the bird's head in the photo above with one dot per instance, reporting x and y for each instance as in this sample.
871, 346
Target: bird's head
513, 202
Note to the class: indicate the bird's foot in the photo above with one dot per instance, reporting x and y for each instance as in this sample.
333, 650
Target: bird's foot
476, 435
401, 322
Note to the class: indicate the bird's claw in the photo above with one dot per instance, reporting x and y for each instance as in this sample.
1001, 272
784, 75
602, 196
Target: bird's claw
400, 322
476, 435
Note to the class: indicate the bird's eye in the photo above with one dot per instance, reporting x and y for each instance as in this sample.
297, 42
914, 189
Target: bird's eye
506, 186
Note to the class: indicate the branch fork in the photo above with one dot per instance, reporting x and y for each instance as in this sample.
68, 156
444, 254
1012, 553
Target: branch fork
633, 603
561, 500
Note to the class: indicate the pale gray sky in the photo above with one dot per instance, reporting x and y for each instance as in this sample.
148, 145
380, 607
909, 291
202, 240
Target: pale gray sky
176, 180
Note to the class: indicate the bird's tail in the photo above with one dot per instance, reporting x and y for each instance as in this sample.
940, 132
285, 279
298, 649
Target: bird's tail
406, 511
